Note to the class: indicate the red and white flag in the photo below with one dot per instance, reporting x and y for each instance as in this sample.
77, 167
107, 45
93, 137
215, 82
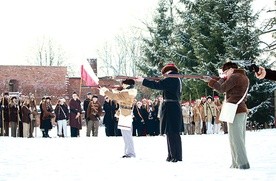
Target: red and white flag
88, 75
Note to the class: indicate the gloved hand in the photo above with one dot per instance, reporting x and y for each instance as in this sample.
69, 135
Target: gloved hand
206, 78
103, 90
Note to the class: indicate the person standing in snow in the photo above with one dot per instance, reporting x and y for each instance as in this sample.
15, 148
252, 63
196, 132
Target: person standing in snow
171, 114
94, 111
75, 115
235, 85
125, 98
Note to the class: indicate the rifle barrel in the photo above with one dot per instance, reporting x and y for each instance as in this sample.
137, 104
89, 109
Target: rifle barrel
161, 77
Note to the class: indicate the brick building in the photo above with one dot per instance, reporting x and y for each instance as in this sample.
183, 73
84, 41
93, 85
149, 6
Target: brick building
44, 80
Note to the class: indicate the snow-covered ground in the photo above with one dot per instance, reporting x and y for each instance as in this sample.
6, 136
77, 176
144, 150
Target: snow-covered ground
205, 157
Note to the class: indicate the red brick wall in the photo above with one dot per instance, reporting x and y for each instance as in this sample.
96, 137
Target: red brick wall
74, 86
41, 80
47, 80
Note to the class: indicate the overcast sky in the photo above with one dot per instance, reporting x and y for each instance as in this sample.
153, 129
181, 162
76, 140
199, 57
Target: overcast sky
80, 27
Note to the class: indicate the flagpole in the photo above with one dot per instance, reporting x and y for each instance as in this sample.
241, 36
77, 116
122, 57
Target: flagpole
2, 130
80, 87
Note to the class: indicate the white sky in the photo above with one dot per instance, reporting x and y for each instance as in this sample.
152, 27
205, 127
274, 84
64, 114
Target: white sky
205, 157
80, 27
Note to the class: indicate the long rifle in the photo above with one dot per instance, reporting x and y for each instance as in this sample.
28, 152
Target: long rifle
159, 78
2, 130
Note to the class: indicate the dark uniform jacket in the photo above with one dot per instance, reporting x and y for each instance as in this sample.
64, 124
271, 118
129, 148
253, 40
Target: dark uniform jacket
109, 112
61, 112
171, 116
14, 113
270, 74
5, 109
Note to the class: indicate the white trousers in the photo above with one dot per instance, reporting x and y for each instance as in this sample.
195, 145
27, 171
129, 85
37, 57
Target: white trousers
210, 128
62, 124
26, 130
217, 128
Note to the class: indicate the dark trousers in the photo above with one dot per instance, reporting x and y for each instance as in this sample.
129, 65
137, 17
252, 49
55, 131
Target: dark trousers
74, 132
174, 146
6, 128
109, 129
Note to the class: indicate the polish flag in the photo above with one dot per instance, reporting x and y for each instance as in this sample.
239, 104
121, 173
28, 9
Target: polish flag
88, 75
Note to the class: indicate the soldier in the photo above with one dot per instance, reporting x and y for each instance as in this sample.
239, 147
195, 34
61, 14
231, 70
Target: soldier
198, 113
94, 111
14, 116
85, 105
75, 115
62, 113
5, 114
26, 118
47, 115
125, 98
34, 113
217, 125
109, 119
210, 114
235, 86
187, 118
171, 116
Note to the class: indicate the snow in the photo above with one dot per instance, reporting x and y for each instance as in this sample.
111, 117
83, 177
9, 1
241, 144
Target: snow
205, 157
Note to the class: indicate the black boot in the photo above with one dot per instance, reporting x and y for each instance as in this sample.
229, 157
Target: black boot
43, 134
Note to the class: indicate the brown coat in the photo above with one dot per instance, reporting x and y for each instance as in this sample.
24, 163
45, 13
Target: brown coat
234, 87
94, 111
26, 114
75, 108
198, 113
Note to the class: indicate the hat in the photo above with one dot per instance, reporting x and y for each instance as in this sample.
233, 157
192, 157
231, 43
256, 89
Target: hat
62, 99
169, 67
229, 65
14, 97
209, 97
48, 97
128, 82
216, 97
6, 93
94, 96
89, 93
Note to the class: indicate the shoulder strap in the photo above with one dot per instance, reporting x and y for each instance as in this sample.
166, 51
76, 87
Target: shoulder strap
243, 95
138, 111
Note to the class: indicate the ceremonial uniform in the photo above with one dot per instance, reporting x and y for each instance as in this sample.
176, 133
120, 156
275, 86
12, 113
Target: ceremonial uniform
171, 114
125, 99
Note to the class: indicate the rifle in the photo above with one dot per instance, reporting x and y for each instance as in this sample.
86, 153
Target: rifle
247, 64
161, 77
2, 129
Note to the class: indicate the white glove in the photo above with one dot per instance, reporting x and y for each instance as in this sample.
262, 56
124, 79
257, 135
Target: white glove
103, 90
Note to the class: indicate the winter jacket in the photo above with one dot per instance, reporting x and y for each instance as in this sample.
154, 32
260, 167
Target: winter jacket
234, 87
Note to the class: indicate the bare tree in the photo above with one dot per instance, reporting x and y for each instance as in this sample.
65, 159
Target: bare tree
47, 52
120, 57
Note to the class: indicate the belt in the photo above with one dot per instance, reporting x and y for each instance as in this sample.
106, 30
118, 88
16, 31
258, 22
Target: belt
170, 100
126, 107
